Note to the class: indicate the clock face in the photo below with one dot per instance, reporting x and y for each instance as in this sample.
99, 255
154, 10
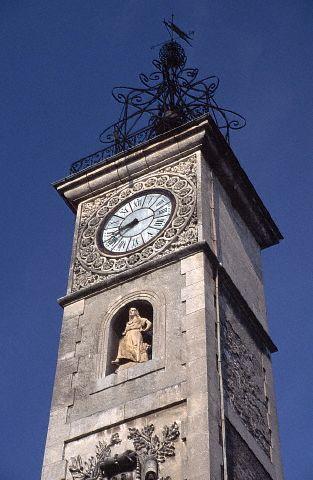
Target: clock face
136, 222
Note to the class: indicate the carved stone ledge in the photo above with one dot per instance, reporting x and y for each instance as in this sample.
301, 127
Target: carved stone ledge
138, 370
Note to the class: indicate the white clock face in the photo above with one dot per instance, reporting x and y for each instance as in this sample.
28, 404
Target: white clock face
137, 222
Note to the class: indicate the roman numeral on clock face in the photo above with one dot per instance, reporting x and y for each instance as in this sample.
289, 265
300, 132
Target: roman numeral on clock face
149, 233
160, 202
150, 199
124, 211
159, 222
135, 242
137, 203
166, 210
115, 221
111, 241
121, 245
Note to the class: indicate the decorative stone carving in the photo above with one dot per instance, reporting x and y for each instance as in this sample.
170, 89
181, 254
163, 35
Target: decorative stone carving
142, 463
91, 265
148, 444
243, 378
95, 467
132, 347
241, 462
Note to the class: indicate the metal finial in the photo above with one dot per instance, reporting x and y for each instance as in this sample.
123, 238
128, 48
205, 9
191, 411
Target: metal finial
167, 98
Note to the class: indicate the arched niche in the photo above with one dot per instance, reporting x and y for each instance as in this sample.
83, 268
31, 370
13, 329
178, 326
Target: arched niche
117, 327
153, 308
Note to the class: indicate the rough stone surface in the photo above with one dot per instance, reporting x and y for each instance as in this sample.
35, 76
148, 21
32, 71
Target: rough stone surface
241, 462
55, 470
243, 375
74, 309
239, 253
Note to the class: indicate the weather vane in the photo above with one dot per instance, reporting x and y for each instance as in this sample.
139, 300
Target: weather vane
170, 96
172, 28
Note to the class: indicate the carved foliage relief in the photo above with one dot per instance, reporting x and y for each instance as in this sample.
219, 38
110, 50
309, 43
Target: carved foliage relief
147, 443
241, 462
138, 463
92, 265
243, 377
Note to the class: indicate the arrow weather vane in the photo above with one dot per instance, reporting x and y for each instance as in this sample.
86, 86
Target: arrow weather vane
172, 28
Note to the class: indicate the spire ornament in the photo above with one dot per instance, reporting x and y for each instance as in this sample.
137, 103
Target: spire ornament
167, 98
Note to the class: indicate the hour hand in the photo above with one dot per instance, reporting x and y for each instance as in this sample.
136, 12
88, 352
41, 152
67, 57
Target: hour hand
119, 230
129, 225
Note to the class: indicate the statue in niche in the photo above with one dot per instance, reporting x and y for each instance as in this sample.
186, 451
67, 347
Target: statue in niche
132, 347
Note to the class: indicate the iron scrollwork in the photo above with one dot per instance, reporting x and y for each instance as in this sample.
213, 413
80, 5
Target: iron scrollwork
170, 96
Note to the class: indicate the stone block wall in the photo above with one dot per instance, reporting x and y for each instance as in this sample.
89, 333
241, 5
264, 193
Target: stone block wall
179, 384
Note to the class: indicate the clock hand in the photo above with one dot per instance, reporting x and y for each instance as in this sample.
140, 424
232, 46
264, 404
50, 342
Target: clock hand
144, 218
129, 225
134, 222
125, 227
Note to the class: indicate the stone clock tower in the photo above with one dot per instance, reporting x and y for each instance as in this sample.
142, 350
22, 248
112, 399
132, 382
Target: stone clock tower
164, 367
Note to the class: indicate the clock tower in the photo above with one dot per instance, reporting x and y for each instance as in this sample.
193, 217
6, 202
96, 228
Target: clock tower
164, 366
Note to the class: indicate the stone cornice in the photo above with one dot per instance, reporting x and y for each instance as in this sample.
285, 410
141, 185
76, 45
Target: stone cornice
239, 188
129, 165
226, 283
200, 134
234, 296
148, 266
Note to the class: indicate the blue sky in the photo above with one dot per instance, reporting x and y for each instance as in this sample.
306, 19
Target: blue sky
59, 61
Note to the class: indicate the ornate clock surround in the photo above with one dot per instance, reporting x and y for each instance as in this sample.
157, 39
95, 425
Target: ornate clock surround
91, 265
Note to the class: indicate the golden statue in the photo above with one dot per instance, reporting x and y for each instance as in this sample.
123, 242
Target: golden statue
131, 346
